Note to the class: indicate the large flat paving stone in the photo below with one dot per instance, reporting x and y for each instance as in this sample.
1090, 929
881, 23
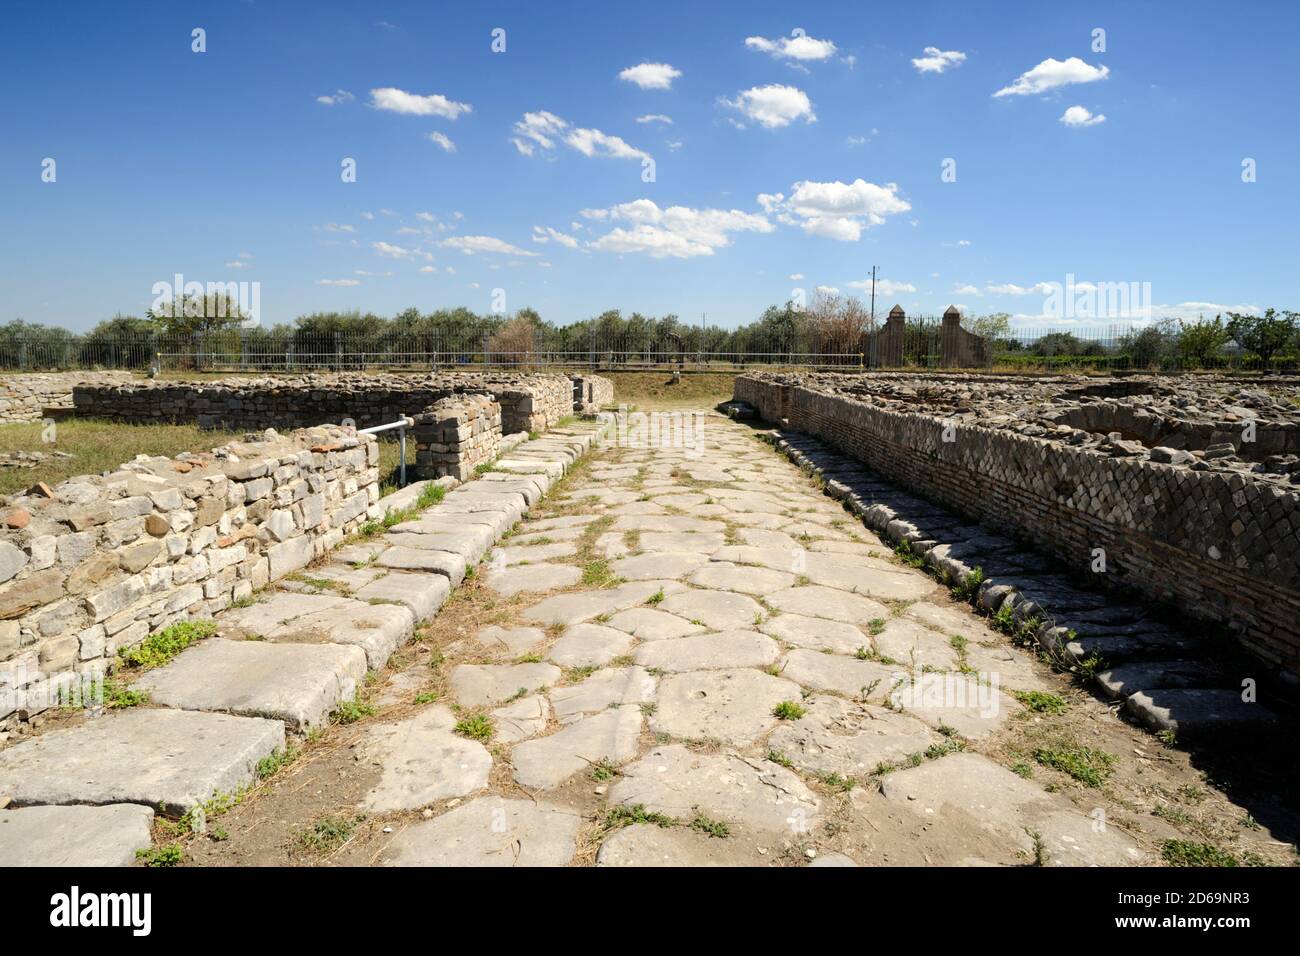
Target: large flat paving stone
672, 524
589, 645
173, 759
605, 688
738, 648
489, 831
422, 594
532, 553
646, 844
859, 680
470, 541
849, 738
975, 708
971, 789
725, 576
734, 706
916, 646
817, 601
703, 544
717, 610
579, 606
510, 641
276, 612
651, 624
521, 719
1124, 680
677, 782
404, 558
378, 629
1191, 712
659, 565
816, 633
300, 684
421, 760
475, 685
521, 578
74, 836
610, 735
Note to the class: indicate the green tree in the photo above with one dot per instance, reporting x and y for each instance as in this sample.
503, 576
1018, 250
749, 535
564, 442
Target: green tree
1266, 334
1200, 343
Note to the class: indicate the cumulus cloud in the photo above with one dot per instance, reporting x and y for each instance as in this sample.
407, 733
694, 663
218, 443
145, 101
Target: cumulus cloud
442, 140
489, 244
965, 290
1041, 288
797, 46
773, 105
339, 282
655, 118
1051, 74
390, 250
1081, 116
884, 286
399, 101
651, 76
543, 130
335, 98
835, 210
678, 232
544, 234
934, 60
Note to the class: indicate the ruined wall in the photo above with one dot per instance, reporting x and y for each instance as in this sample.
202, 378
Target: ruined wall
99, 562
1218, 544
24, 397
591, 393
455, 436
529, 402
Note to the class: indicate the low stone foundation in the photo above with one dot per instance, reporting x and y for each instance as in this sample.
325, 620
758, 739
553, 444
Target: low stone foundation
97, 563
455, 436
24, 397
1213, 535
591, 393
529, 402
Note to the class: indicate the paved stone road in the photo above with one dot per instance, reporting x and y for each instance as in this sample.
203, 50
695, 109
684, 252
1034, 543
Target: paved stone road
741, 653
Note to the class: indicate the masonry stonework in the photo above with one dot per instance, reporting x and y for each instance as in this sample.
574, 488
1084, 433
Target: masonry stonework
24, 397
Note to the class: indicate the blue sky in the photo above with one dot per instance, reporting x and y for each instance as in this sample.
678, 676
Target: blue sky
813, 155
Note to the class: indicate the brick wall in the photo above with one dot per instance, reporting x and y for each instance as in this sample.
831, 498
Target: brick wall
100, 562
1216, 545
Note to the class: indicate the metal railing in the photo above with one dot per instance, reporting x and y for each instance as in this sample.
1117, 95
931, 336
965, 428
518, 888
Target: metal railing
402, 424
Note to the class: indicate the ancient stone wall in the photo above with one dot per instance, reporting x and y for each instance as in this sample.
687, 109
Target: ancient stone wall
454, 436
1220, 543
529, 402
24, 397
591, 393
99, 562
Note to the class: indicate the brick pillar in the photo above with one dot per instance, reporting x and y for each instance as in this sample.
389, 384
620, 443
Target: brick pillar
889, 353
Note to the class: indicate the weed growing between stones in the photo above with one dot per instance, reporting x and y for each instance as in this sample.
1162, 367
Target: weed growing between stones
789, 710
1087, 765
158, 649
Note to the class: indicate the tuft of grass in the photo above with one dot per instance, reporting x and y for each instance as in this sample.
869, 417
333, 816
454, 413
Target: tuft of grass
968, 586
157, 649
789, 710
624, 815
117, 696
707, 825
779, 758
169, 854
1087, 765
277, 761
839, 783
476, 727
597, 574
328, 833
350, 711
876, 625
603, 770
1042, 703
1190, 853
655, 598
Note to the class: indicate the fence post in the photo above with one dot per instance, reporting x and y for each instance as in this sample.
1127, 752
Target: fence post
338, 350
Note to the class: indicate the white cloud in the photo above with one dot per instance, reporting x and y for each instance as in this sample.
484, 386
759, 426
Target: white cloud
546, 234
339, 282
1041, 288
400, 101
965, 290
836, 210
335, 98
773, 105
796, 276
1081, 116
245, 255
677, 232
442, 140
490, 244
428, 269
1051, 74
651, 76
541, 130
390, 250
655, 118
236, 264
884, 286
367, 272
367, 215
935, 60
797, 46
426, 217
338, 227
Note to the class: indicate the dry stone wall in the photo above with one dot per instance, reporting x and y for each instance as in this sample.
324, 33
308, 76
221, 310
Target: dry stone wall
455, 436
97, 563
1215, 536
24, 397
529, 402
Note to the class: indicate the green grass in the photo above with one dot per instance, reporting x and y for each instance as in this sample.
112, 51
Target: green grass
350, 711
969, 586
328, 833
789, 710
876, 625
624, 816
157, 649
1085, 764
277, 761
96, 446
476, 727
170, 854
1040, 702
1190, 853
655, 598
597, 574
711, 827
117, 696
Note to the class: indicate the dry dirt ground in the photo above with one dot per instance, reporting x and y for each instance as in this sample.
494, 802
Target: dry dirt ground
741, 674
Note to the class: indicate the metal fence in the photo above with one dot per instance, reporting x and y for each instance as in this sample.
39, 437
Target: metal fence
1113, 348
